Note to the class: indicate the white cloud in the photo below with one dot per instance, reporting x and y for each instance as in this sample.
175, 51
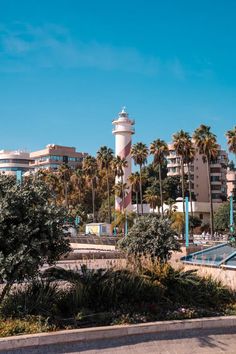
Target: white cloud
52, 46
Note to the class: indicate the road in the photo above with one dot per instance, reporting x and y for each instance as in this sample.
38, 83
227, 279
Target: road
188, 342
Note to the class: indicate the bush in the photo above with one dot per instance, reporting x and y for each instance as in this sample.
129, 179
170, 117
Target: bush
38, 298
186, 288
151, 237
222, 217
105, 289
102, 297
27, 326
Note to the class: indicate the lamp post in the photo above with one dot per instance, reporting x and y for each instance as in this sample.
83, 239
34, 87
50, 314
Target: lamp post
231, 215
186, 223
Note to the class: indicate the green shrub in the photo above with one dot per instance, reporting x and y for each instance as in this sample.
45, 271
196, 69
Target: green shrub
29, 325
151, 237
189, 289
37, 298
105, 289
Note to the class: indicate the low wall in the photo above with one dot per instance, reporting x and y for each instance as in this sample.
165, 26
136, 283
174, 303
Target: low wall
226, 276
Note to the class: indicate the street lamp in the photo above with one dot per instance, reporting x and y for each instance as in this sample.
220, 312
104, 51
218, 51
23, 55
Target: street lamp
231, 217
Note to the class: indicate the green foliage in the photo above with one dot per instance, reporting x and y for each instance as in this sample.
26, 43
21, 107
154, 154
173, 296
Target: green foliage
104, 289
37, 298
186, 288
222, 217
194, 221
103, 297
151, 237
29, 325
171, 187
31, 230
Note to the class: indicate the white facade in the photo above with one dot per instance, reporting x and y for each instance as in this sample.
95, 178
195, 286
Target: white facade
13, 161
123, 130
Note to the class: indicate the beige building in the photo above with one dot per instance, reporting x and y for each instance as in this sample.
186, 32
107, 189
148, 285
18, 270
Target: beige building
53, 156
231, 182
198, 175
12, 162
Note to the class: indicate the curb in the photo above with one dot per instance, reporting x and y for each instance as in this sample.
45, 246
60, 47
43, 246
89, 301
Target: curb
106, 332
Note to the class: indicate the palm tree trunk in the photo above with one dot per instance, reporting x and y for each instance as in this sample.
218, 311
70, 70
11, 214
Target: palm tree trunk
93, 201
66, 193
108, 198
210, 198
136, 193
123, 197
161, 194
141, 191
190, 191
182, 173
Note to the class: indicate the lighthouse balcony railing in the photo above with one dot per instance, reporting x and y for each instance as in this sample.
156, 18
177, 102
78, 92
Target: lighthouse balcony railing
121, 130
130, 121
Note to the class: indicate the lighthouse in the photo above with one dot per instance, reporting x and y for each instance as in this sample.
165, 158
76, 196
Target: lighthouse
123, 130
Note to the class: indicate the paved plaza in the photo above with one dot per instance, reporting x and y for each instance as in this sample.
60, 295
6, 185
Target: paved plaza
187, 342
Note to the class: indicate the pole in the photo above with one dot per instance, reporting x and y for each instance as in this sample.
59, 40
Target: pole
186, 223
231, 221
19, 176
126, 225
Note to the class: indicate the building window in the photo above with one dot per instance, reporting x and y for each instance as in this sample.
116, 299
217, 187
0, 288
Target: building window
21, 161
216, 195
215, 178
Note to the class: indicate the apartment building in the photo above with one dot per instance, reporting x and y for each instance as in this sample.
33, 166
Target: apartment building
231, 182
12, 162
198, 175
53, 156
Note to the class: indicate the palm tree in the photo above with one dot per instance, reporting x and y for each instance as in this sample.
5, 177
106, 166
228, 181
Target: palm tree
231, 140
179, 143
121, 189
134, 182
118, 165
159, 149
105, 157
78, 180
152, 198
206, 143
90, 169
189, 156
64, 173
139, 153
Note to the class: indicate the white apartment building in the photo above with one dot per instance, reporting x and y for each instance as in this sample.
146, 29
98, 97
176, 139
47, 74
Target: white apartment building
13, 161
198, 175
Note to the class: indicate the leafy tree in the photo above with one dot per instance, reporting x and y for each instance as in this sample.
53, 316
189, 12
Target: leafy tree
151, 237
31, 231
222, 217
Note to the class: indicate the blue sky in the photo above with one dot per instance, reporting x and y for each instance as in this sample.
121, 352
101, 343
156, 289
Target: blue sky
68, 66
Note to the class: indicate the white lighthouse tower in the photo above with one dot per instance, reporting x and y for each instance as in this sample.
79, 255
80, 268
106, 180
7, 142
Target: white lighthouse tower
123, 130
